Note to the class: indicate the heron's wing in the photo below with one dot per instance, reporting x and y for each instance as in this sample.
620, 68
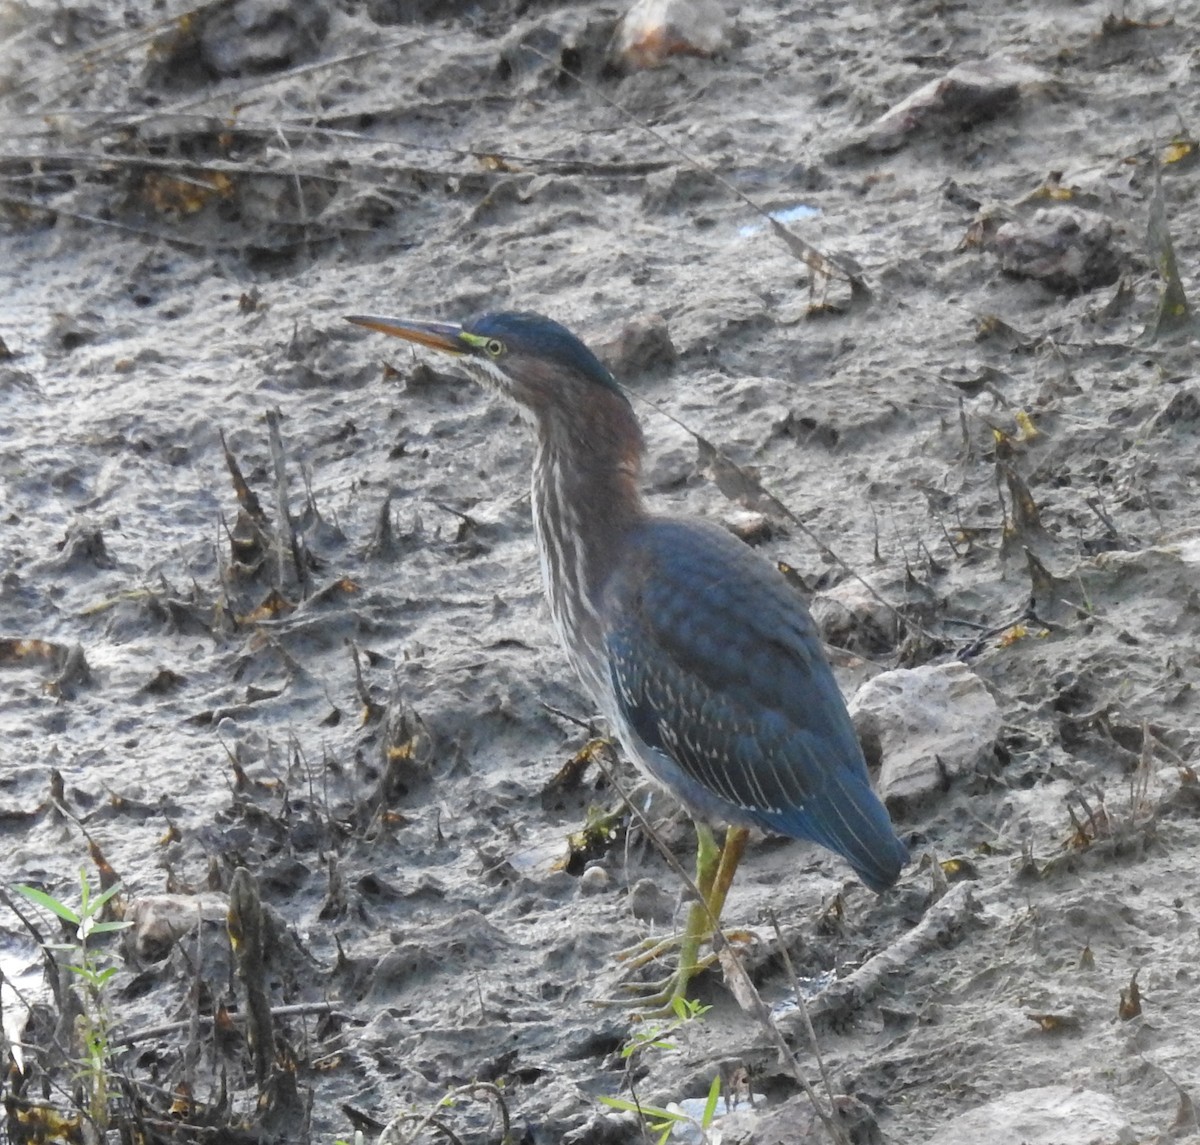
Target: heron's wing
717, 665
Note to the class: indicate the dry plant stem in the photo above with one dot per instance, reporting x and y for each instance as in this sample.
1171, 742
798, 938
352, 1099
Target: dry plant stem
246, 496
1174, 313
731, 962
180, 167
232, 94
942, 921
245, 921
286, 542
147, 1033
802, 1006
391, 1131
58, 210
192, 1049
308, 130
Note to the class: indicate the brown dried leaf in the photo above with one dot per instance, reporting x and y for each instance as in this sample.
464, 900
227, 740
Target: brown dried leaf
959, 870
1131, 1000
737, 980
275, 604
184, 194
1056, 1023
38, 651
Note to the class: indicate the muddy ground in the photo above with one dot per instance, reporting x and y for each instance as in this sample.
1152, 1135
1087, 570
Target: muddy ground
341, 676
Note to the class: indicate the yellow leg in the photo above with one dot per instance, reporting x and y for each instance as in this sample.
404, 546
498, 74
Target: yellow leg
715, 868
731, 854
714, 876
708, 862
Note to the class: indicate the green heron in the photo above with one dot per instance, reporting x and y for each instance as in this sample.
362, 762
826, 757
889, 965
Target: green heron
704, 660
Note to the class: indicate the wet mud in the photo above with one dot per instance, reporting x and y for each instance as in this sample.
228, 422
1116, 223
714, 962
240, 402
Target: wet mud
273, 650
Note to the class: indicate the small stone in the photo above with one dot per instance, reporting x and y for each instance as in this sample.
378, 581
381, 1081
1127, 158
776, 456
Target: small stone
967, 94
1183, 410
236, 38
593, 881
674, 460
254, 36
1065, 249
82, 549
650, 903
654, 30
753, 528
159, 921
1045, 1116
605, 1129
795, 1120
851, 616
927, 726
70, 331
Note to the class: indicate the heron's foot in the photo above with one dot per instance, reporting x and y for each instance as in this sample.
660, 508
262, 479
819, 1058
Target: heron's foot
655, 999
714, 873
648, 950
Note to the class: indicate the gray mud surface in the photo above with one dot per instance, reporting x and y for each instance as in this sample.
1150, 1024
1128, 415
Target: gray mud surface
345, 680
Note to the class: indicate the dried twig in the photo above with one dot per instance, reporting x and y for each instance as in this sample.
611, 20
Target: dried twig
943, 921
391, 1131
153, 1033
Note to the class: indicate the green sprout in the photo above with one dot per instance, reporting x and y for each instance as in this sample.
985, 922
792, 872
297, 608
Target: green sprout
662, 1120
657, 1036
93, 1025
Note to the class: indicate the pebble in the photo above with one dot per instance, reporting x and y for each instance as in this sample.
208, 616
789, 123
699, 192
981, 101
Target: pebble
654, 30
1066, 249
593, 881
929, 725
650, 903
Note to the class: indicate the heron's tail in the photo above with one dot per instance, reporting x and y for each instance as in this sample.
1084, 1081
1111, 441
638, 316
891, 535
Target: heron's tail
847, 817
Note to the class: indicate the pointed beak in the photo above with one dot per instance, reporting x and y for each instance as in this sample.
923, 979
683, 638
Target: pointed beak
438, 335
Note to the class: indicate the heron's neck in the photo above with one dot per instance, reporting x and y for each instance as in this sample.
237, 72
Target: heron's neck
585, 501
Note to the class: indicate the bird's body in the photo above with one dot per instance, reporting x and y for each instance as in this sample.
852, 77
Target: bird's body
703, 658
724, 695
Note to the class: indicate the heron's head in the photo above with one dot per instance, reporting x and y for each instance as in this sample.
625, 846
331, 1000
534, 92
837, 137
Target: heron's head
538, 363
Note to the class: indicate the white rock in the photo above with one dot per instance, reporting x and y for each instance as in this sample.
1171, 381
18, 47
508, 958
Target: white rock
159, 921
653, 30
593, 881
1051, 1115
931, 724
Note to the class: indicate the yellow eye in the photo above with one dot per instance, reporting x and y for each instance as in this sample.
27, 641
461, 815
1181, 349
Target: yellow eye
494, 347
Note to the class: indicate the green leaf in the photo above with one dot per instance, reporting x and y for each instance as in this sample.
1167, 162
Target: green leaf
647, 1111
51, 904
621, 1104
104, 896
83, 971
85, 891
109, 927
710, 1106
